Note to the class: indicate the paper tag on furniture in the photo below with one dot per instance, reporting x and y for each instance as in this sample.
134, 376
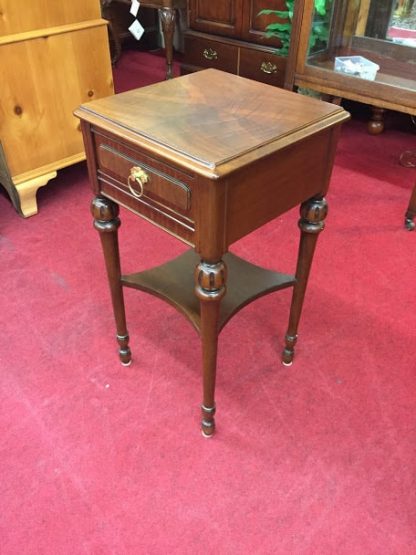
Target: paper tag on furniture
134, 8
136, 29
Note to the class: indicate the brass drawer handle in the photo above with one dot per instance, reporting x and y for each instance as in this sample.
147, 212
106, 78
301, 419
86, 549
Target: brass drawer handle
139, 177
210, 54
268, 67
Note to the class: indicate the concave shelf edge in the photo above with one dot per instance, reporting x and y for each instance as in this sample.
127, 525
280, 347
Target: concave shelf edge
173, 282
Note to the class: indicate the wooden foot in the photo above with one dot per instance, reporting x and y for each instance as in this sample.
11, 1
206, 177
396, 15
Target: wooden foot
210, 287
26, 192
376, 123
411, 212
107, 222
409, 224
207, 422
289, 350
313, 213
124, 349
168, 18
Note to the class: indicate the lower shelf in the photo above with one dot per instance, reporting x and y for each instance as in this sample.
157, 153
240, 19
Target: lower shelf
174, 283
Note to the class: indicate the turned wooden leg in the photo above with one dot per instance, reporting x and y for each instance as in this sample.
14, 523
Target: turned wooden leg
376, 123
107, 13
168, 17
313, 213
411, 212
107, 222
115, 55
210, 287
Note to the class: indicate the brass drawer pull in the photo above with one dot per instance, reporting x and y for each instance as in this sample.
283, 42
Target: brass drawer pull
268, 67
210, 54
139, 177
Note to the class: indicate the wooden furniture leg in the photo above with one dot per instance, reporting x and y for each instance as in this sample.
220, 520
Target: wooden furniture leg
210, 287
107, 222
313, 213
27, 190
411, 211
112, 32
168, 17
376, 123
21, 189
115, 56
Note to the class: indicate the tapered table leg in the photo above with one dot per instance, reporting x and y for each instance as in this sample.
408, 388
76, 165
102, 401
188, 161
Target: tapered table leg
411, 212
168, 19
107, 222
210, 287
313, 213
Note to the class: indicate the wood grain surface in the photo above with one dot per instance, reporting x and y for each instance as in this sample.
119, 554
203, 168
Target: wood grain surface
213, 117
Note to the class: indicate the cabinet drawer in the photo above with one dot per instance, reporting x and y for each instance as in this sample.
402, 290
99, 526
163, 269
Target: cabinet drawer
262, 66
205, 53
161, 193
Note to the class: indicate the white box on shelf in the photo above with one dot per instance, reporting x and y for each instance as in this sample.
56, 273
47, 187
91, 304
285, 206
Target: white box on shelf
357, 66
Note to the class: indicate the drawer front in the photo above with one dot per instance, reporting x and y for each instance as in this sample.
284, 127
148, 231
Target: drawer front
157, 191
262, 66
205, 53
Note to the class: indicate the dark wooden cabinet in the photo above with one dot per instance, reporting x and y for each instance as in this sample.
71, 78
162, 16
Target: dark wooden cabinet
218, 17
253, 25
230, 35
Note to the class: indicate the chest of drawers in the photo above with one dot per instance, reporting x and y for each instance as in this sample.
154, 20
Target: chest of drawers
230, 35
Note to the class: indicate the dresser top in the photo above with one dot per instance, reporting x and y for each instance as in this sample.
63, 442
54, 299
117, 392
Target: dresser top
211, 121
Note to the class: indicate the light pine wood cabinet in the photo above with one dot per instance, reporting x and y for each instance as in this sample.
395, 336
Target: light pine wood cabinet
54, 56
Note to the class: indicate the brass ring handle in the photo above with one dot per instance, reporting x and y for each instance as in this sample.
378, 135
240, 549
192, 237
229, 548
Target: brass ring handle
210, 54
268, 67
138, 177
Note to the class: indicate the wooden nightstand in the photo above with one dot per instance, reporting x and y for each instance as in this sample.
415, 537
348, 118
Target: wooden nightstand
209, 157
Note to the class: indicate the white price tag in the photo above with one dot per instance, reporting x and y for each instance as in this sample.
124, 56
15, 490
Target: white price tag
134, 8
136, 29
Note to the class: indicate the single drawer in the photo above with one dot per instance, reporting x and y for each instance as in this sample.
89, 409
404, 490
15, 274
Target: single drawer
262, 66
205, 53
157, 191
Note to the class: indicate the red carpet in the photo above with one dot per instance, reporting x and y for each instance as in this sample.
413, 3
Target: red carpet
402, 33
318, 458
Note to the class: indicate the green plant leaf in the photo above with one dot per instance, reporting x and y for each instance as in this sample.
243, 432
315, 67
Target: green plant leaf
282, 30
320, 6
279, 27
282, 15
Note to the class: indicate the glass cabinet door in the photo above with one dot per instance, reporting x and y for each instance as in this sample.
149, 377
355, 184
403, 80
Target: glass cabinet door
359, 47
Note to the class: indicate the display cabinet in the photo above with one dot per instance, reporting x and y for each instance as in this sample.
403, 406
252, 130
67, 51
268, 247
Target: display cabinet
230, 35
377, 46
